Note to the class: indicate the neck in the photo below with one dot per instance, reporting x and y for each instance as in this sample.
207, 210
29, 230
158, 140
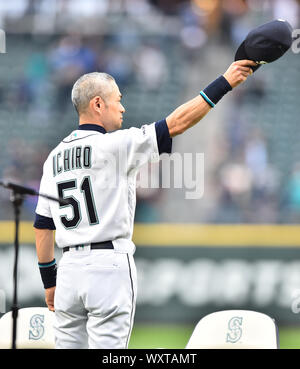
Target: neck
90, 120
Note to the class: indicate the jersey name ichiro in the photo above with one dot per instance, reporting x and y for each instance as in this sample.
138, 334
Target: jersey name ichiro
78, 157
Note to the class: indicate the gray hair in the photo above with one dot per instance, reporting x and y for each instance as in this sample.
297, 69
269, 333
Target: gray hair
88, 86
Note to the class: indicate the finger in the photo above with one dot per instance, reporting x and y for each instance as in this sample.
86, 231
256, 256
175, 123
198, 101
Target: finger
246, 63
50, 304
245, 69
249, 72
245, 75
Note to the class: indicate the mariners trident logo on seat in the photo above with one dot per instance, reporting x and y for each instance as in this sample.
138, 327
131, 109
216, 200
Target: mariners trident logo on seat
235, 329
38, 330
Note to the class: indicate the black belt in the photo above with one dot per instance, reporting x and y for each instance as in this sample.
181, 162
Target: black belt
94, 246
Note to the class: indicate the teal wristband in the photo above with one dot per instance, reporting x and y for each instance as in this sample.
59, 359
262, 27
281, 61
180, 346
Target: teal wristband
207, 99
214, 92
48, 273
46, 265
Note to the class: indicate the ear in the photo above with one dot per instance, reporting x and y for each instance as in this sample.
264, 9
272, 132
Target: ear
96, 104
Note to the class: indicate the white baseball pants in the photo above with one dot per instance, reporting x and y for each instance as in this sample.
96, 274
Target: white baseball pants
95, 299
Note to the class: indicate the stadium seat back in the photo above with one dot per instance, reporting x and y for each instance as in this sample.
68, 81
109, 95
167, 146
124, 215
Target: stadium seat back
235, 329
34, 329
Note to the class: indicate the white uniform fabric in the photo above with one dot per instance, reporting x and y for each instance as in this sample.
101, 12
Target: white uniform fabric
96, 289
95, 300
114, 162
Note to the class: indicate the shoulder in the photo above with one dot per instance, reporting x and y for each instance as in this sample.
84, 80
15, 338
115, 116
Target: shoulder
49, 158
49, 161
134, 132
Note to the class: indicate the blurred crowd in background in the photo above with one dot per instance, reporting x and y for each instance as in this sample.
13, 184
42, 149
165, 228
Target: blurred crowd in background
147, 45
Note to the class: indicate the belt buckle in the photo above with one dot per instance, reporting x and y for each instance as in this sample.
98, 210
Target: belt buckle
82, 249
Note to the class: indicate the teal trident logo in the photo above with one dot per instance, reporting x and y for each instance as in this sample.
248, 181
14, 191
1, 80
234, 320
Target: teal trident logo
37, 328
234, 329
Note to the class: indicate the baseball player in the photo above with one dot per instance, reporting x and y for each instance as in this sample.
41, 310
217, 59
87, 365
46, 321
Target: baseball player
93, 291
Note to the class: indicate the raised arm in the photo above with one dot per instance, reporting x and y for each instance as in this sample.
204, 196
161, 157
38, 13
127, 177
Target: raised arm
191, 112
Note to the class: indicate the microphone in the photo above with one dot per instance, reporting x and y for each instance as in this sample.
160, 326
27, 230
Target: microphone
19, 189
22, 190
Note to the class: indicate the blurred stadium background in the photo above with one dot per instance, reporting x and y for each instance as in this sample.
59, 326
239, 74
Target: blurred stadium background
238, 247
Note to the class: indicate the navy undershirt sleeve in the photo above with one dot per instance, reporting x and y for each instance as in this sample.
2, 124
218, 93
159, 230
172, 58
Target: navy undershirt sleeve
42, 222
164, 141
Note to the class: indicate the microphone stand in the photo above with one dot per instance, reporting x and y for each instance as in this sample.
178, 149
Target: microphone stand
17, 198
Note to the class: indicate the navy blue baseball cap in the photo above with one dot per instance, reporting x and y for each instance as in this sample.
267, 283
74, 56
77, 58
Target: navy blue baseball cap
266, 43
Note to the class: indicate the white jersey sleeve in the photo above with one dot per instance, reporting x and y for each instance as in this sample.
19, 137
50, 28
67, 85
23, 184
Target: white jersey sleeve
43, 205
141, 146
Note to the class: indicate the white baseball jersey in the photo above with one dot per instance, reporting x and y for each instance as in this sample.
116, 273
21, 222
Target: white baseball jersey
96, 172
